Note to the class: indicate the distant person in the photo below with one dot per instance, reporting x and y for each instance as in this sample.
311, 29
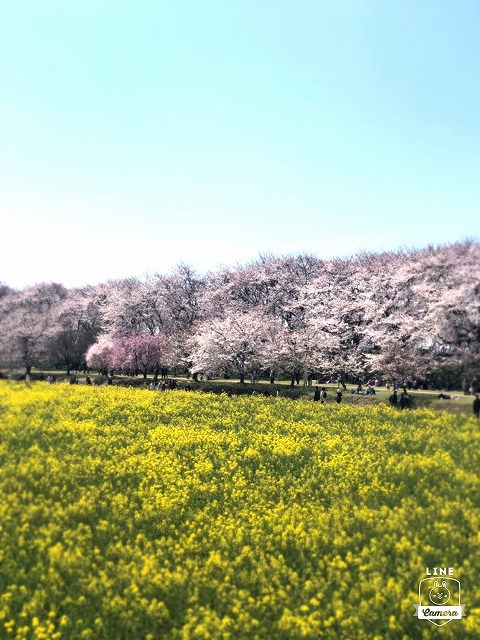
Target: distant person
88, 381
316, 395
338, 399
393, 399
404, 401
466, 386
323, 395
476, 406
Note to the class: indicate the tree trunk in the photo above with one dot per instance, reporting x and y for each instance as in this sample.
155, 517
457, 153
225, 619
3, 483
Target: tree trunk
28, 369
242, 378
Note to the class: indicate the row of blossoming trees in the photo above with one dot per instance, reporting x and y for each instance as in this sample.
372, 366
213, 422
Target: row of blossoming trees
391, 314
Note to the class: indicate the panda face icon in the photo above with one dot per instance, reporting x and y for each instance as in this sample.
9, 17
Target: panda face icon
439, 595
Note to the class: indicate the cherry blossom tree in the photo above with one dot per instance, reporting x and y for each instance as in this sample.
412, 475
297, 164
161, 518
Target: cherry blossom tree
5, 290
170, 304
27, 321
100, 355
182, 296
270, 285
140, 351
424, 311
335, 308
450, 289
136, 351
289, 351
230, 344
75, 330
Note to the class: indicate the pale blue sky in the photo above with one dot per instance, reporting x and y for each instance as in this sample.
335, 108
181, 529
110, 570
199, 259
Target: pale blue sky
134, 135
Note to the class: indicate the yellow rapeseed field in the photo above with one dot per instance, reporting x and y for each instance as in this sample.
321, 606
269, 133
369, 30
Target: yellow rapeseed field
139, 515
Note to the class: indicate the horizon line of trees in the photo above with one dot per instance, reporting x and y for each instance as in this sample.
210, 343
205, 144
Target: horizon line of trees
393, 314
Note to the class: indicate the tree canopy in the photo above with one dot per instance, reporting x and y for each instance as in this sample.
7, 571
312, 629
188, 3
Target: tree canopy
409, 312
